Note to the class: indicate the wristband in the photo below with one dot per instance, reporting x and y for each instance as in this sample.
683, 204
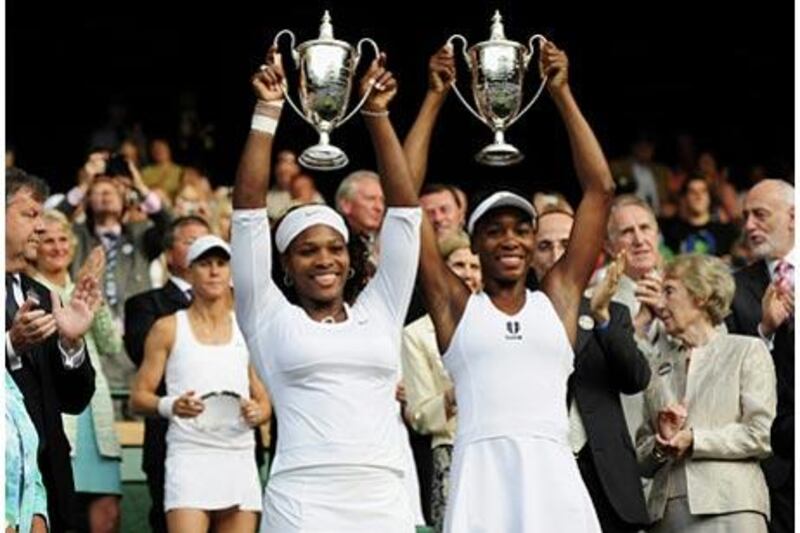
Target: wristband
165, 404
265, 116
366, 113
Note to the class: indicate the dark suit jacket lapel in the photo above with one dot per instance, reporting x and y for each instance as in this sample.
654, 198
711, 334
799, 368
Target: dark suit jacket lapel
174, 293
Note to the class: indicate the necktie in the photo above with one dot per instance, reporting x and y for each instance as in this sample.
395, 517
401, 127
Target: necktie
111, 242
784, 274
11, 302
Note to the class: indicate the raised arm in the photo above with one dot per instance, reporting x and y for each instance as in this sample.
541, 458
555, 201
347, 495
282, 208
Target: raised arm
445, 295
392, 165
441, 74
566, 281
252, 175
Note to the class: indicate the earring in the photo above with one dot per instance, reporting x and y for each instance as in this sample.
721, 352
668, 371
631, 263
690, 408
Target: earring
287, 280
351, 273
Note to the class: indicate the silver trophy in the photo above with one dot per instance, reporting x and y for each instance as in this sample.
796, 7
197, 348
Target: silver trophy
498, 68
327, 66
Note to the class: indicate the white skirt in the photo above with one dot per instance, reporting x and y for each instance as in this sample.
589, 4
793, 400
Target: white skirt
520, 485
212, 480
321, 499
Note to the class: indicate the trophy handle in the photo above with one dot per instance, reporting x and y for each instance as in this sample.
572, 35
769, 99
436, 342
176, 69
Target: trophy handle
469, 65
528, 58
296, 61
357, 58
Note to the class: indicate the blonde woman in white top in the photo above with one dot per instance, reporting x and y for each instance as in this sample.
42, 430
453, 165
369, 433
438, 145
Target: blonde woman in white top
708, 409
211, 477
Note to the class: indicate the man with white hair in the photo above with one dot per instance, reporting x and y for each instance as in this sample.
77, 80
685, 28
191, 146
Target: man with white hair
359, 199
763, 306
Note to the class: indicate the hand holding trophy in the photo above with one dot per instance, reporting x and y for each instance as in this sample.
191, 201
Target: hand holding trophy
327, 66
498, 67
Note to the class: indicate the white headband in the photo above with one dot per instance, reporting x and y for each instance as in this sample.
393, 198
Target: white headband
298, 220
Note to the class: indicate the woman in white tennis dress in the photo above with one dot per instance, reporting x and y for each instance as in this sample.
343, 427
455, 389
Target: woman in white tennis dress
213, 401
509, 350
331, 368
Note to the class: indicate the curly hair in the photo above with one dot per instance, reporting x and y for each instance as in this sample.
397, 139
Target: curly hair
708, 280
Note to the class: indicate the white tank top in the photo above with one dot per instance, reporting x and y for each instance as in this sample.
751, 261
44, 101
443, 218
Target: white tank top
206, 368
510, 372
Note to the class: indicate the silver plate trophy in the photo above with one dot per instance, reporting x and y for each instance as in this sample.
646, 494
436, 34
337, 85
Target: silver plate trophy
498, 68
327, 67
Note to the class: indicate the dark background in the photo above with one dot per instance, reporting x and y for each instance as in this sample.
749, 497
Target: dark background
723, 74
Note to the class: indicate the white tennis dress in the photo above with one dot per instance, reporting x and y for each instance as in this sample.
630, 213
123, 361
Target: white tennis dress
206, 469
338, 464
513, 470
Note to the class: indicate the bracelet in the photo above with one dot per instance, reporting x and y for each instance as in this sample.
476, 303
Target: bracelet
367, 113
265, 116
165, 405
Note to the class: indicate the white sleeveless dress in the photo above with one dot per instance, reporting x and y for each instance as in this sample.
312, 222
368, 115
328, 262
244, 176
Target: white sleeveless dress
513, 470
209, 470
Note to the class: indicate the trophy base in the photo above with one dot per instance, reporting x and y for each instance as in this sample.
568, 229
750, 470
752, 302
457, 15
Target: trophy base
499, 155
323, 157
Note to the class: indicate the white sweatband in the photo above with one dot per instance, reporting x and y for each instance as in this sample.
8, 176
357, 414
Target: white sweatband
165, 404
264, 124
301, 218
265, 117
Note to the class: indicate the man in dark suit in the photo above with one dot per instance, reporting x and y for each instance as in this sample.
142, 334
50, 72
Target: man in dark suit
607, 363
763, 306
141, 312
45, 352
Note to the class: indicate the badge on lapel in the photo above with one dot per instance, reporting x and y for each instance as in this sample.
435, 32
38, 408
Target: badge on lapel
127, 248
664, 368
586, 322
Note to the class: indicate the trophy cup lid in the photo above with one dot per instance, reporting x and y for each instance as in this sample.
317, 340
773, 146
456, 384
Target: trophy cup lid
498, 34
325, 35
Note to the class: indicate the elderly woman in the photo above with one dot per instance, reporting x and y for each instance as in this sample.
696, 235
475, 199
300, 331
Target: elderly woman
708, 409
431, 406
96, 453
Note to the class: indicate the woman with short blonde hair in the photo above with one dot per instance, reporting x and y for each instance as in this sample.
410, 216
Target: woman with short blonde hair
708, 409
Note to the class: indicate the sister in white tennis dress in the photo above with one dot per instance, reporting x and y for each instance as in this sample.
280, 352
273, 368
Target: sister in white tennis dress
513, 470
338, 466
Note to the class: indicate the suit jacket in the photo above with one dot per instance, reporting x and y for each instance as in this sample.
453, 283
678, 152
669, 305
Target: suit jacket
608, 363
751, 284
730, 396
141, 312
49, 390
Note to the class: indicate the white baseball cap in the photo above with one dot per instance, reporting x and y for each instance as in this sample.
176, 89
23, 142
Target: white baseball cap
500, 199
204, 244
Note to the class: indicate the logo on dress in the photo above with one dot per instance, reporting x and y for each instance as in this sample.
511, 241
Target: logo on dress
512, 327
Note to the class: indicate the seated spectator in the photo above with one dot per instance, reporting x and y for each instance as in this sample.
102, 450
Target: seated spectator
304, 191
708, 409
221, 218
727, 207
130, 151
163, 173
443, 207
190, 200
96, 453
694, 230
279, 197
26, 497
211, 475
639, 174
